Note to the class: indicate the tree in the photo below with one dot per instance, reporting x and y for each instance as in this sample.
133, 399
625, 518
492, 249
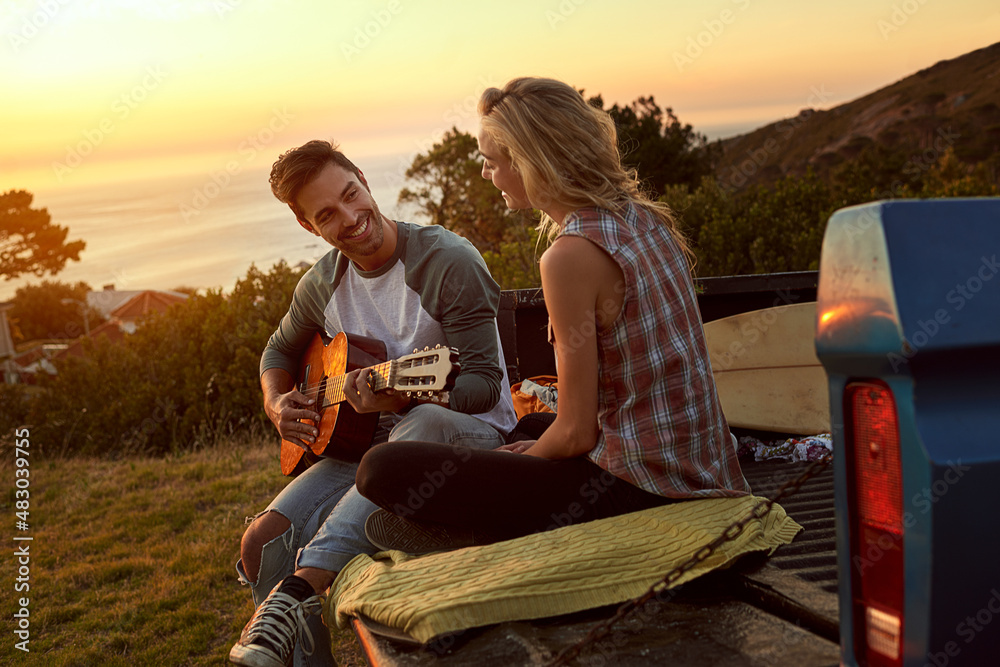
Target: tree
789, 219
52, 310
761, 230
655, 143
951, 177
451, 191
515, 265
877, 171
702, 213
29, 242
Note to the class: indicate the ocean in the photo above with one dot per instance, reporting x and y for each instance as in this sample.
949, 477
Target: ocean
190, 231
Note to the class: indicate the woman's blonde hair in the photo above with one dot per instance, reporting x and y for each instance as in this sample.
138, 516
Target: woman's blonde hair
565, 150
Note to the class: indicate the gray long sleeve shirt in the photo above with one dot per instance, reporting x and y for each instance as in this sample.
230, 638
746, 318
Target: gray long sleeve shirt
435, 289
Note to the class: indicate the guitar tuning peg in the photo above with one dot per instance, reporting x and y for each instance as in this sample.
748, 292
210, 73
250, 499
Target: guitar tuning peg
409, 394
415, 350
426, 348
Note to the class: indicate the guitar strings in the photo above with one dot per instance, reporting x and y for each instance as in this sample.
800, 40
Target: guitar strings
334, 392
335, 385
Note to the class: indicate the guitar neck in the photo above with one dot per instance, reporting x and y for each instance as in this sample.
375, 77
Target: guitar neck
378, 381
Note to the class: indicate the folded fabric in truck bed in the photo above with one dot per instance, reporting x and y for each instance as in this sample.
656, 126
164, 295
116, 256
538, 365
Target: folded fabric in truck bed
546, 574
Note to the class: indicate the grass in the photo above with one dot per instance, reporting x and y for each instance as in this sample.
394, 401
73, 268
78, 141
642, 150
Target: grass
132, 562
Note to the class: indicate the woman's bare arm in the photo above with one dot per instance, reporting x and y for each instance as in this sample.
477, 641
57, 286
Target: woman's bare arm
578, 279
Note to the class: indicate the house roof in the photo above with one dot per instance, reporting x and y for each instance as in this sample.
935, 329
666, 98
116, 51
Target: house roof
109, 301
121, 308
146, 302
111, 330
39, 349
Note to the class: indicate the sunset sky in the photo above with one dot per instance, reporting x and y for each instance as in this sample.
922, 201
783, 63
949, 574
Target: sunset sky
118, 90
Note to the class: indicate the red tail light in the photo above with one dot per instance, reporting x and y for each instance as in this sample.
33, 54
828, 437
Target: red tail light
876, 522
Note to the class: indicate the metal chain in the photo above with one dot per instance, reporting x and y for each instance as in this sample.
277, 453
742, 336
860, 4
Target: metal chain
759, 511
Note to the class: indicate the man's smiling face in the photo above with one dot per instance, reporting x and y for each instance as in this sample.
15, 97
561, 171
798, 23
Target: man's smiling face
339, 207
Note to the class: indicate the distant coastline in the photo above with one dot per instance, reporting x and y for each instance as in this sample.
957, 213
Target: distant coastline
140, 236
188, 231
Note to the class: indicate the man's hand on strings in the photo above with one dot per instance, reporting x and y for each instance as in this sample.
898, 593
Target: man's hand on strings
288, 410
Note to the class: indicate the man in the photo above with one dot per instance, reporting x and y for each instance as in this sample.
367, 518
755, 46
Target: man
408, 286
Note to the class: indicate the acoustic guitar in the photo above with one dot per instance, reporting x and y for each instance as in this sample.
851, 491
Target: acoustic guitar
344, 433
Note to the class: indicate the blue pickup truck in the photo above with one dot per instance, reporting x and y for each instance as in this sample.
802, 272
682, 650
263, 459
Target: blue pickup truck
909, 333
899, 562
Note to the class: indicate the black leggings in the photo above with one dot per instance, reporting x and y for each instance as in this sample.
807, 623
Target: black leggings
497, 494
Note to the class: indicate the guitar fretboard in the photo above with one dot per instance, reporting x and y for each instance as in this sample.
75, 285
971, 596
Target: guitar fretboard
377, 380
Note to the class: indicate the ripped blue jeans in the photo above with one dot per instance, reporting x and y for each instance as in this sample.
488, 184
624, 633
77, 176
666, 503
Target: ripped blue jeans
327, 513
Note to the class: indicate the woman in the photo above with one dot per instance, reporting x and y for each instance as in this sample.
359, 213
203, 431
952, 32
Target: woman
639, 422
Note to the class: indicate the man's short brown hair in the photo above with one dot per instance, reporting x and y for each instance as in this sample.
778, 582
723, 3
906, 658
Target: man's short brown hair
298, 166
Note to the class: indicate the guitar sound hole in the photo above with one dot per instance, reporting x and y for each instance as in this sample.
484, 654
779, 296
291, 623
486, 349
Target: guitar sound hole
320, 396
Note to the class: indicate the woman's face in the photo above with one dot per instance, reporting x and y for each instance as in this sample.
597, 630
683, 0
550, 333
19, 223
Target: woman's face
497, 168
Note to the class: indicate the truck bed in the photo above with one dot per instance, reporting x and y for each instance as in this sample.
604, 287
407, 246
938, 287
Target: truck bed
777, 610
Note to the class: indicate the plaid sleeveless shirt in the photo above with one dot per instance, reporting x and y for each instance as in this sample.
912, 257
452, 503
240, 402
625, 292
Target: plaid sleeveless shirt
662, 427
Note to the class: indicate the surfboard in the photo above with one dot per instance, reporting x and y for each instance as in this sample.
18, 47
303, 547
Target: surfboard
767, 372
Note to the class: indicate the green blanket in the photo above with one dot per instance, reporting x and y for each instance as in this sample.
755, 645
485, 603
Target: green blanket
546, 574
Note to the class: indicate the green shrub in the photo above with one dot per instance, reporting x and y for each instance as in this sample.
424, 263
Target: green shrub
183, 379
15, 403
769, 229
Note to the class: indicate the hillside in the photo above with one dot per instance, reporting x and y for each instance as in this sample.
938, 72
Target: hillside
954, 103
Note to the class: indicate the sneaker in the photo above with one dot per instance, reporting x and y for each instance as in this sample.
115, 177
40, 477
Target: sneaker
269, 637
387, 532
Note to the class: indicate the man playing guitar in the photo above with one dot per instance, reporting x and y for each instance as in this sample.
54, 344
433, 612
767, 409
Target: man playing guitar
408, 286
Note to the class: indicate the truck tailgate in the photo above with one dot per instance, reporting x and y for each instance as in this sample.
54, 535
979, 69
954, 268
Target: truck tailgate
780, 610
